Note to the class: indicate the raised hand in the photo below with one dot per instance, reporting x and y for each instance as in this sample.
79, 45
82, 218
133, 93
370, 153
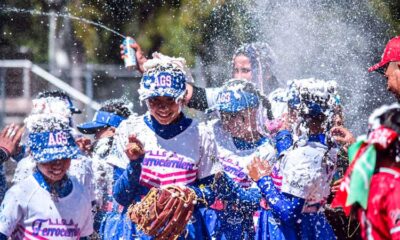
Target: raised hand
134, 149
343, 136
336, 185
10, 138
140, 57
84, 145
258, 169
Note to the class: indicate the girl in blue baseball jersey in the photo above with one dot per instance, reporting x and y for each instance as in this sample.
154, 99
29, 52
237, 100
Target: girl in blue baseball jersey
49, 204
306, 169
162, 147
108, 217
238, 142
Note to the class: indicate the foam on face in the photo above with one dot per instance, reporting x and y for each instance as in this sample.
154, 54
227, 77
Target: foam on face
314, 90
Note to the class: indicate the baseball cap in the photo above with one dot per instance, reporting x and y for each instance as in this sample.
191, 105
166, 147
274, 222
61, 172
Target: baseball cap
312, 97
101, 119
164, 80
390, 54
53, 145
236, 95
62, 96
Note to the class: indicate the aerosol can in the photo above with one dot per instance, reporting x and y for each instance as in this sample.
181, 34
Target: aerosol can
129, 53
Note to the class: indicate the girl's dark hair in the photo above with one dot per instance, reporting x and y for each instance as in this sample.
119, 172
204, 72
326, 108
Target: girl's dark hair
391, 119
118, 107
260, 53
53, 93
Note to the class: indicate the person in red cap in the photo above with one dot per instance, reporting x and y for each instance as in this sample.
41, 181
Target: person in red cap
390, 66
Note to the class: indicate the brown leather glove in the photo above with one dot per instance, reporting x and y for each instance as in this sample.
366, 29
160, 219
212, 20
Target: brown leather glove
164, 213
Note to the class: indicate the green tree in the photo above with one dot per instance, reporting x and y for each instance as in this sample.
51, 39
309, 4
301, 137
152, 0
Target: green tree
389, 11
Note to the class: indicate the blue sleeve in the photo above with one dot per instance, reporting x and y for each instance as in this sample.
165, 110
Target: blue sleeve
284, 206
204, 191
117, 172
127, 184
231, 191
3, 237
226, 189
283, 141
20, 155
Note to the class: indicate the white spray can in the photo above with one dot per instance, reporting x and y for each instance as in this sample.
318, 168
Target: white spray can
129, 53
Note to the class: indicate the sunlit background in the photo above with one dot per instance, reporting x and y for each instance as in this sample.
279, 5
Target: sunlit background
327, 39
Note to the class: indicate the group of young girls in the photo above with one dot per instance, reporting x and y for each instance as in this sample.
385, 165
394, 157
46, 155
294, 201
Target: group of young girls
272, 148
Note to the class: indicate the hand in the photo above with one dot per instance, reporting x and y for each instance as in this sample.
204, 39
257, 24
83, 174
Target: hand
84, 145
134, 149
336, 185
189, 93
285, 122
258, 169
140, 58
343, 136
10, 138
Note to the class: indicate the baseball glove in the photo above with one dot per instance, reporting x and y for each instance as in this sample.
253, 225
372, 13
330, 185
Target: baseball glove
164, 213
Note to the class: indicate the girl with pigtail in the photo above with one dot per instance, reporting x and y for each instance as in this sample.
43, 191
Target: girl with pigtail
238, 141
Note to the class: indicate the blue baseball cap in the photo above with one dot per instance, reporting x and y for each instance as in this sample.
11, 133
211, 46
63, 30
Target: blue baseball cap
101, 119
313, 109
234, 98
50, 146
162, 81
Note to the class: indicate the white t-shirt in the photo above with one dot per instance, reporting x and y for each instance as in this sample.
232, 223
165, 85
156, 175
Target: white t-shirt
28, 212
235, 161
81, 169
176, 161
307, 172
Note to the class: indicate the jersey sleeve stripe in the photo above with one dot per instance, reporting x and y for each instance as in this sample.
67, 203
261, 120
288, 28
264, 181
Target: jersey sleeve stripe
147, 170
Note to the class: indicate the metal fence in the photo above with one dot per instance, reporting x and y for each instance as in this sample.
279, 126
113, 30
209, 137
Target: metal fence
22, 80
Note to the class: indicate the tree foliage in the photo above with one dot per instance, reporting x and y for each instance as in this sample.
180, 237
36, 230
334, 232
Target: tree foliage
389, 10
186, 28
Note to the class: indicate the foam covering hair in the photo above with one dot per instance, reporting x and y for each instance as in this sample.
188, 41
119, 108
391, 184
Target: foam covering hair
48, 114
177, 62
312, 97
153, 84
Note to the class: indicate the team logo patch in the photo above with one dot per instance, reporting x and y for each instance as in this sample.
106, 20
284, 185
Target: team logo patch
57, 138
225, 97
164, 80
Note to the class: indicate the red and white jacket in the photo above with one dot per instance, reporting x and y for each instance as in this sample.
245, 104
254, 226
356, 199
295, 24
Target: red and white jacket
381, 219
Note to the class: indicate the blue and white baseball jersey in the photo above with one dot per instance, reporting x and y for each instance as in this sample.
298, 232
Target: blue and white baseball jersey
176, 161
234, 160
29, 212
81, 169
307, 172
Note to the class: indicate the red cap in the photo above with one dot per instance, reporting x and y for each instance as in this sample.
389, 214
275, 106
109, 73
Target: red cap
391, 54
